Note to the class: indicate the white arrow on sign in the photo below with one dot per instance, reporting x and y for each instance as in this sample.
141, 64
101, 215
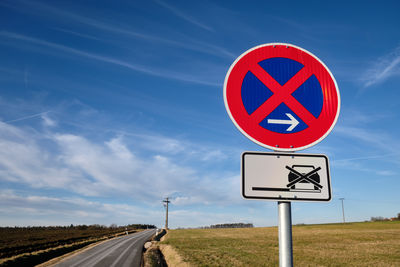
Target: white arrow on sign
292, 122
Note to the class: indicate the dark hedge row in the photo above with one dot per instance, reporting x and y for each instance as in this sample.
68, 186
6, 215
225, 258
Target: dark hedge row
18, 240
33, 260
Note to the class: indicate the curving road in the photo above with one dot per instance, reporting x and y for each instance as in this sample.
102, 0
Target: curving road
118, 252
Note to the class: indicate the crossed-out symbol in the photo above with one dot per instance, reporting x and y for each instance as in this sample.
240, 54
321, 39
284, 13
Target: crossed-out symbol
282, 94
301, 177
252, 124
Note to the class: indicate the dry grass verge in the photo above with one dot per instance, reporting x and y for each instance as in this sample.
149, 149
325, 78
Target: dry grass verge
162, 255
352, 244
172, 258
153, 258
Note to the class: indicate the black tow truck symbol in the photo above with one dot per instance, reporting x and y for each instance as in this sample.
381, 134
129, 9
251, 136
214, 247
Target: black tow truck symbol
304, 178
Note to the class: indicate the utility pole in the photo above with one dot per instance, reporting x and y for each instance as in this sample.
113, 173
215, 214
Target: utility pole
343, 209
166, 201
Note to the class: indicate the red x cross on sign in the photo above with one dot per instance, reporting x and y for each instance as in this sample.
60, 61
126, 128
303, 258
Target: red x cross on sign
314, 128
281, 94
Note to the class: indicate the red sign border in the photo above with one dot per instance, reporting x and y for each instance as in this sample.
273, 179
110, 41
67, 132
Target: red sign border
268, 139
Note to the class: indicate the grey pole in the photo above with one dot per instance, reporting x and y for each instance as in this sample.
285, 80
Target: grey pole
285, 234
343, 209
166, 215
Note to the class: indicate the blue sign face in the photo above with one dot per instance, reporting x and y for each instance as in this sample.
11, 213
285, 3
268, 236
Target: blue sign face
282, 119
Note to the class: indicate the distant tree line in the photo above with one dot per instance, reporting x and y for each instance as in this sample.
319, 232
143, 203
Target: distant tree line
232, 225
380, 218
141, 226
222, 225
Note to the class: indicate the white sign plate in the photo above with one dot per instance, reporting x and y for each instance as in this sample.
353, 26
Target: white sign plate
286, 176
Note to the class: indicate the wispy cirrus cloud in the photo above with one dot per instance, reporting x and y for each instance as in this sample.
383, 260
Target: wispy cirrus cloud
41, 114
384, 68
47, 121
366, 165
184, 16
378, 139
36, 8
82, 35
111, 60
369, 149
32, 7
356, 124
366, 157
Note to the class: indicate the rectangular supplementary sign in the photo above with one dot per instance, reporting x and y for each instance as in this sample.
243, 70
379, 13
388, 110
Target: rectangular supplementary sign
285, 176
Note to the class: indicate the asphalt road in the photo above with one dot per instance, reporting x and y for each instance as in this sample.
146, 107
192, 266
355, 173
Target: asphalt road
118, 252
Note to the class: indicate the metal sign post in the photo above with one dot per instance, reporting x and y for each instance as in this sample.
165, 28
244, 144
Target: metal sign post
283, 98
285, 234
285, 177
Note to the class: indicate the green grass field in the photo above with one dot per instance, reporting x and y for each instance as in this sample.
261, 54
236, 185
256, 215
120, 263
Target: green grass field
350, 244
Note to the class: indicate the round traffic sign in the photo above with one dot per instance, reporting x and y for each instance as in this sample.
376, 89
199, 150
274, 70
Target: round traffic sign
282, 97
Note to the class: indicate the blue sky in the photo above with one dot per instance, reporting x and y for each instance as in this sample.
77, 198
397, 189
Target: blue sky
108, 107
